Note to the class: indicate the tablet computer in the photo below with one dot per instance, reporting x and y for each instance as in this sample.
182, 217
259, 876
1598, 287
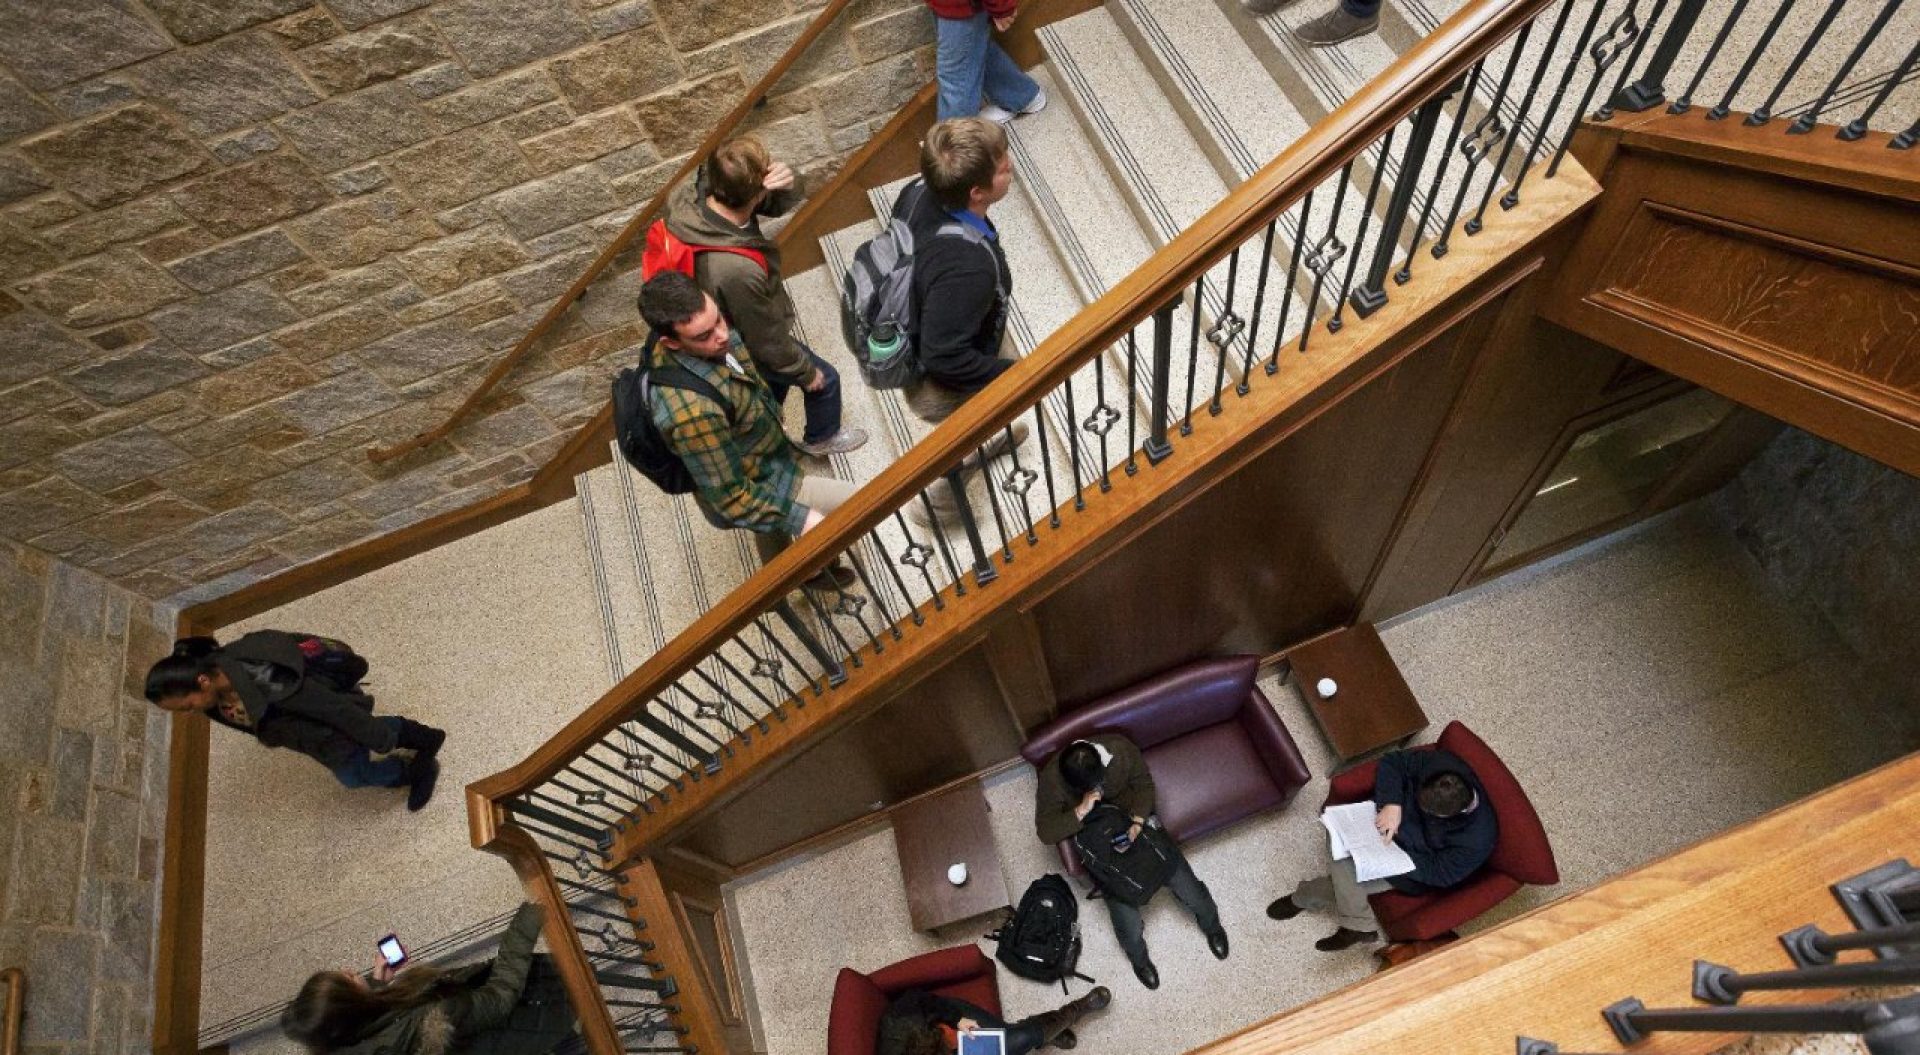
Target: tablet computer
984, 1042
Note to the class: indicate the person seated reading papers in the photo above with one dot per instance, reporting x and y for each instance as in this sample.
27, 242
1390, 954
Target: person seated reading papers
920, 1023
1098, 793
1433, 826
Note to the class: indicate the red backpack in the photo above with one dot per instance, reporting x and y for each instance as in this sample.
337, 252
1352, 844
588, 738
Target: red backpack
664, 252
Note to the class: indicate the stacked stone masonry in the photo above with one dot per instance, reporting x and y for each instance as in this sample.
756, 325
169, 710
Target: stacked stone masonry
83, 786
241, 242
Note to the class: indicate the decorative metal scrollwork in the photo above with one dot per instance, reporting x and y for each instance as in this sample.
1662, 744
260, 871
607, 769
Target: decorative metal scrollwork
1019, 480
609, 936
1325, 254
596, 797
1226, 330
1619, 36
766, 667
1487, 133
1100, 419
706, 709
849, 604
583, 865
637, 763
916, 555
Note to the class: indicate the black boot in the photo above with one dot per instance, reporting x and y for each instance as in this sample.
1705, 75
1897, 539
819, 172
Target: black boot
423, 740
1056, 1026
422, 773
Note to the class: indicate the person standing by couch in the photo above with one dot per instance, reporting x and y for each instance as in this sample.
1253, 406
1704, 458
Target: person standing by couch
977, 77
515, 1004
280, 688
1103, 773
739, 266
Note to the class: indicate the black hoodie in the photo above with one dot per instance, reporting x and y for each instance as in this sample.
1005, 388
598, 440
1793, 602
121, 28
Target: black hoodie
1445, 850
959, 312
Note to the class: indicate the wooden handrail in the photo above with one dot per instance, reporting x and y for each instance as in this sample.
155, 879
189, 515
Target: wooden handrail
15, 980
1418, 75
628, 234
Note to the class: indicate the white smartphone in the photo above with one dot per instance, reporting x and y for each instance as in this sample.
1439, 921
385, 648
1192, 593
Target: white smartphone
392, 951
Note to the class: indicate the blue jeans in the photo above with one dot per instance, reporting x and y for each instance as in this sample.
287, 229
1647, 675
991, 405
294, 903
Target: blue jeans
823, 407
971, 66
1361, 8
361, 771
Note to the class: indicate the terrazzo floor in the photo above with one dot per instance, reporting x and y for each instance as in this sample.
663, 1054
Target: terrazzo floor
1650, 690
303, 874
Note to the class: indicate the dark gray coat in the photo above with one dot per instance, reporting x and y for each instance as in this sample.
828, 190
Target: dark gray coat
306, 714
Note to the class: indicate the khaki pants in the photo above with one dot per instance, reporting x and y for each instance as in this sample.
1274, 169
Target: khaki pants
1341, 890
823, 494
934, 403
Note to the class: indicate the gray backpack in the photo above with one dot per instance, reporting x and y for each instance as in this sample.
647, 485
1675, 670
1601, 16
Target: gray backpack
877, 315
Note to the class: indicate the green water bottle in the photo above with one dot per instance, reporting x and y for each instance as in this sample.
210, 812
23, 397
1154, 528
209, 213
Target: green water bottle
884, 343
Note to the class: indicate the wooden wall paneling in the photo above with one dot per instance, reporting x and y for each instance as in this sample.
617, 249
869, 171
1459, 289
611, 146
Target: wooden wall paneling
1276, 552
1789, 287
674, 948
1733, 443
183, 859
1018, 659
948, 724
700, 911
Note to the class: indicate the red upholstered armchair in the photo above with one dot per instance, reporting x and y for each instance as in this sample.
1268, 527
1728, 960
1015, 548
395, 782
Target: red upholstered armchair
859, 1000
1521, 855
1215, 747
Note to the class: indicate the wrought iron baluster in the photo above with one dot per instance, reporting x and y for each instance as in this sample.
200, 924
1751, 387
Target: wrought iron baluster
1512, 197
1765, 112
1621, 33
726, 699
772, 706
642, 761
558, 827
1073, 447
1259, 304
879, 596
783, 611
847, 603
1858, 126
939, 533
917, 555
1326, 253
1906, 139
1046, 466
1560, 89
1225, 330
1486, 133
1019, 482
983, 571
609, 893
574, 809
1478, 219
1685, 102
1605, 113
605, 788
1157, 448
1718, 984
833, 628
599, 792
1292, 286
1193, 351
1360, 239
766, 666
1405, 274
1100, 419
1133, 401
705, 709
1631, 1020
993, 502
1806, 121
1372, 294
1725, 106
771, 639
1650, 89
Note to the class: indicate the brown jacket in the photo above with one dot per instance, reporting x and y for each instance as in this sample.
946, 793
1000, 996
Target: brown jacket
1127, 785
755, 301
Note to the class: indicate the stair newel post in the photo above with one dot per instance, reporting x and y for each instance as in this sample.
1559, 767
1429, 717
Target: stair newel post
1650, 89
1605, 113
1157, 448
1372, 294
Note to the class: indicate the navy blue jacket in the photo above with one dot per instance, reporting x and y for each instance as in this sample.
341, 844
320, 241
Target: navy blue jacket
1445, 850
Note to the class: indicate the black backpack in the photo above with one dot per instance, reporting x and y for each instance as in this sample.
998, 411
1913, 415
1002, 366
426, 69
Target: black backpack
1041, 938
641, 442
1132, 875
333, 660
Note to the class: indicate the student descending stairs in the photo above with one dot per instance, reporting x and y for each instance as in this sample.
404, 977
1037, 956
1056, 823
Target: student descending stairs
1158, 108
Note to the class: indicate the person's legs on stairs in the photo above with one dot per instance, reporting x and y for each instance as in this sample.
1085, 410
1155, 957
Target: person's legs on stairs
1261, 8
960, 63
825, 494
824, 434
1008, 87
1353, 18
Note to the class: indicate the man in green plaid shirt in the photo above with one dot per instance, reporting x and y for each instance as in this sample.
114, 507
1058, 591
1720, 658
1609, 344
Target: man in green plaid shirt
740, 458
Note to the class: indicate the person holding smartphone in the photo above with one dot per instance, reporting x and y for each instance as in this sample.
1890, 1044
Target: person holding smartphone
514, 1004
922, 1023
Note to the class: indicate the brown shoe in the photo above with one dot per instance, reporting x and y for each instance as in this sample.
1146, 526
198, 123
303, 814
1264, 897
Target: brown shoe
836, 577
1334, 27
1263, 8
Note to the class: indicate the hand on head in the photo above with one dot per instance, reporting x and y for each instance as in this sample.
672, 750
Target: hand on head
779, 177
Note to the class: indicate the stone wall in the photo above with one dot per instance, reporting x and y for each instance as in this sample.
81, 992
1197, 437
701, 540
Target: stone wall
1835, 531
83, 783
242, 241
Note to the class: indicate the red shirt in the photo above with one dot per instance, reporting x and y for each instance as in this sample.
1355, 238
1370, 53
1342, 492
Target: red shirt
966, 8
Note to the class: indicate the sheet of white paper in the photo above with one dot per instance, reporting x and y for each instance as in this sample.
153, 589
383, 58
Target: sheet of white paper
1350, 833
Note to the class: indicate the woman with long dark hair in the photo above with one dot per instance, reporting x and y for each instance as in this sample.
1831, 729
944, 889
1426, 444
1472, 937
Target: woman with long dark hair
514, 1004
299, 691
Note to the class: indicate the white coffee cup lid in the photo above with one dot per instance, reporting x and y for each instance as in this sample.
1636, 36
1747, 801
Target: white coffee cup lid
957, 874
1326, 687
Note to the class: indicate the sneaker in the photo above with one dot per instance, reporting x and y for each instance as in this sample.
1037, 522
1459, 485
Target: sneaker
846, 441
1000, 447
1000, 115
1334, 27
836, 578
1263, 8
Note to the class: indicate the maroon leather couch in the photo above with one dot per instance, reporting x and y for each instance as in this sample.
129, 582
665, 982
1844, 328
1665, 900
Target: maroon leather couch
1216, 749
853, 1022
1521, 856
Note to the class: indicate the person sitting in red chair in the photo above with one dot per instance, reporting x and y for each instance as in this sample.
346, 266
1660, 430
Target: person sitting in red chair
1432, 805
921, 1023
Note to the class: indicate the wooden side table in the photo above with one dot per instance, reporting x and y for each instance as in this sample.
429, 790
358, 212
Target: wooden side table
936, 832
1371, 706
